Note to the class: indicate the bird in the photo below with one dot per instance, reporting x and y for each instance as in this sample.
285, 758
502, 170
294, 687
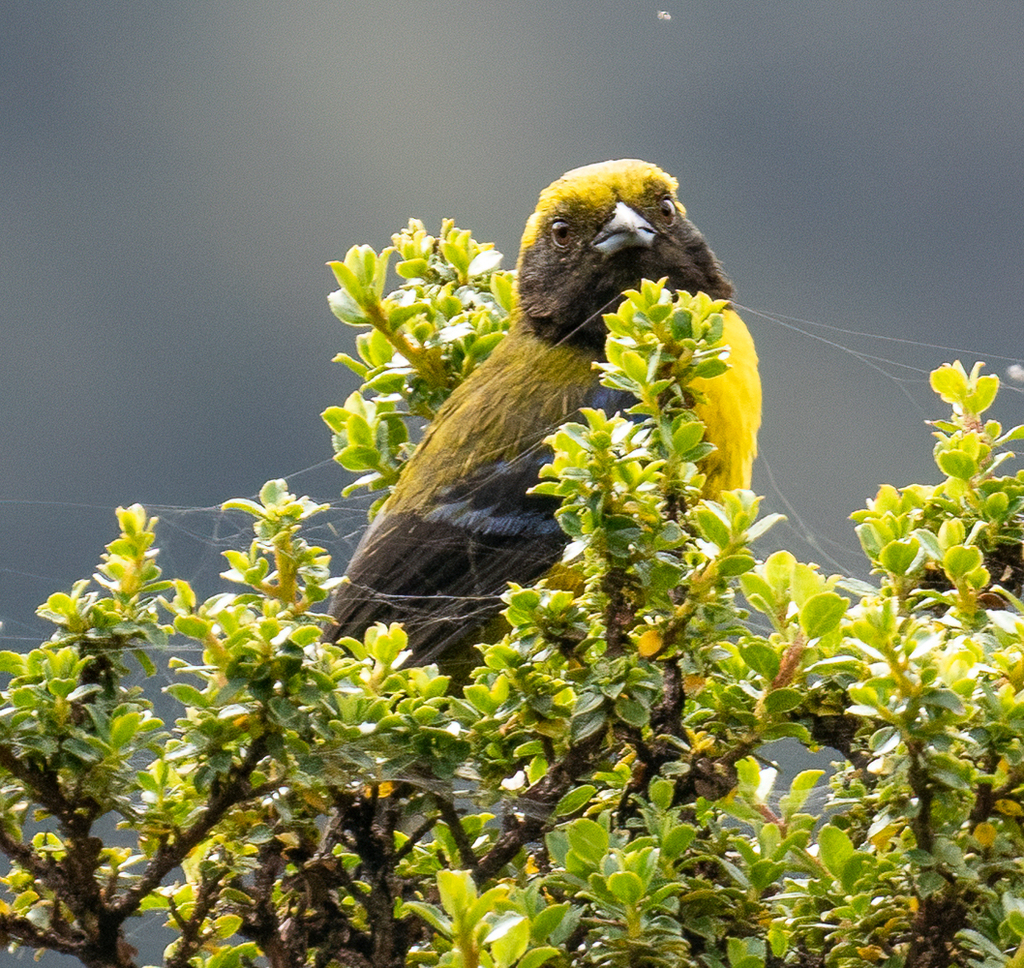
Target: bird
460, 523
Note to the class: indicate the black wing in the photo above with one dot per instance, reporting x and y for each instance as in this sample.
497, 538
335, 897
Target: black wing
442, 573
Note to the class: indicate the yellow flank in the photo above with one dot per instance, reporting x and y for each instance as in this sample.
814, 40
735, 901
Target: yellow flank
732, 413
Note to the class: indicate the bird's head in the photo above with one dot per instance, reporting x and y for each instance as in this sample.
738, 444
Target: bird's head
597, 231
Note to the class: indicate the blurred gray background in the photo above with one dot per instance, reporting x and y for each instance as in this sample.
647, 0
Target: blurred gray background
175, 175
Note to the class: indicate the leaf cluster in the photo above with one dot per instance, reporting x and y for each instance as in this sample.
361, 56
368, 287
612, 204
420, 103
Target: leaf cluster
602, 790
416, 343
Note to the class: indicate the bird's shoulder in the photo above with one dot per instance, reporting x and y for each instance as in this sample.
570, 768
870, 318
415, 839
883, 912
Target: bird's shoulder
506, 407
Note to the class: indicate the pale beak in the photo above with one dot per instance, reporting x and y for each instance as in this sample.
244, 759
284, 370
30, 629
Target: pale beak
626, 229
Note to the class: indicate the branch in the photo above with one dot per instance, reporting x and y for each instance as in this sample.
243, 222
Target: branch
667, 716
42, 869
414, 838
466, 856
619, 615
191, 929
23, 930
75, 815
920, 783
73, 878
235, 790
540, 800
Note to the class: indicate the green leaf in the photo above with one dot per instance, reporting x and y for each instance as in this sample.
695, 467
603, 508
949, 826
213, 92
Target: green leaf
626, 886
960, 560
412, 268
508, 938
984, 394
763, 873
123, 729
575, 800
12, 664
944, 699
799, 790
456, 890
712, 526
760, 657
588, 722
661, 792
188, 695
536, 957
780, 701
822, 613
760, 593
686, 434
677, 840
431, 914
480, 696
734, 565
588, 840
900, 557
957, 464
949, 382
835, 848
632, 712
83, 750
226, 925
548, 920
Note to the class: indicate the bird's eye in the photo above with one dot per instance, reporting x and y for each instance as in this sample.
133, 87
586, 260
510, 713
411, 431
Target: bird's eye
560, 232
668, 209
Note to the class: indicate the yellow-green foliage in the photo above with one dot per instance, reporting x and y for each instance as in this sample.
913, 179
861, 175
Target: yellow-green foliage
600, 792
